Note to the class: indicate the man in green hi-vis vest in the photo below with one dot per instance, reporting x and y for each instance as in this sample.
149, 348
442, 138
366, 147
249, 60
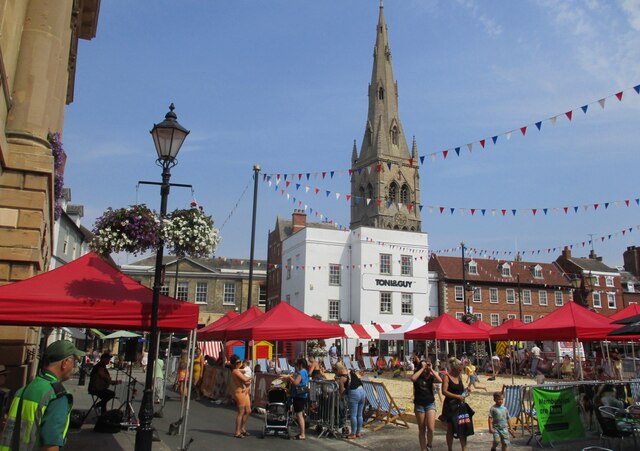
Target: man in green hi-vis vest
39, 414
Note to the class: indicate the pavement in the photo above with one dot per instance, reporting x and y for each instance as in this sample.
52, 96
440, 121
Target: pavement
210, 426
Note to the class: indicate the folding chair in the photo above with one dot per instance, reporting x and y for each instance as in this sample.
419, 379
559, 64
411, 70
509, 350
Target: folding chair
513, 401
94, 408
347, 363
326, 361
388, 410
387, 359
372, 401
366, 361
284, 365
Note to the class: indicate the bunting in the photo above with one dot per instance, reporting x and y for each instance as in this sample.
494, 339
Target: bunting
487, 253
386, 165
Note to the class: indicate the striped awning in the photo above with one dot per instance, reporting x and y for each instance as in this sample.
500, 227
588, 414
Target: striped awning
210, 348
367, 331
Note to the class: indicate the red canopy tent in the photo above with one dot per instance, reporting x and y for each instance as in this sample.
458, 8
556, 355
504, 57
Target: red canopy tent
482, 326
217, 323
628, 311
446, 327
501, 332
220, 332
284, 322
89, 292
569, 322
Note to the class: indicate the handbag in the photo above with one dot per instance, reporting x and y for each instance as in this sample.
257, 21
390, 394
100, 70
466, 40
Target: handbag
463, 421
301, 389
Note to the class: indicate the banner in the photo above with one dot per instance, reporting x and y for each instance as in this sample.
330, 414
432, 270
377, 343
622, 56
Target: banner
558, 414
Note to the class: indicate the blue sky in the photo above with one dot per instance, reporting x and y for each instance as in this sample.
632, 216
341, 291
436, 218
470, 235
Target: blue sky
283, 84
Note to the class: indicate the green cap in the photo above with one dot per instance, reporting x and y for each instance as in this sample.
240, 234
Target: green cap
60, 350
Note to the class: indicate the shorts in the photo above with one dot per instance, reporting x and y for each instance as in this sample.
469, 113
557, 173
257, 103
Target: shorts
424, 408
473, 378
299, 404
501, 436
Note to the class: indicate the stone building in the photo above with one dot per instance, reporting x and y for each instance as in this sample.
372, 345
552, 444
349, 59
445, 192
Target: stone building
38, 53
216, 285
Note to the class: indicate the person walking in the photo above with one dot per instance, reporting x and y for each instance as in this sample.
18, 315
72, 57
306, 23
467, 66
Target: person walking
39, 414
424, 378
240, 384
300, 382
499, 423
198, 367
471, 372
454, 395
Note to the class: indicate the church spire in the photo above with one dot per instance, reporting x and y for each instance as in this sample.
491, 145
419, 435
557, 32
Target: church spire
390, 194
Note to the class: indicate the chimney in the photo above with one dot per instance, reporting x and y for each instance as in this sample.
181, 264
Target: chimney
594, 256
631, 258
299, 219
566, 252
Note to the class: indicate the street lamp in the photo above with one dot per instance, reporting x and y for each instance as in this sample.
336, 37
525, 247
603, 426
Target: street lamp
168, 137
465, 286
582, 287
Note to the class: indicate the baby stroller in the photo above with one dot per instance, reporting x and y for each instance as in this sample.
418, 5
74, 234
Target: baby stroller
276, 419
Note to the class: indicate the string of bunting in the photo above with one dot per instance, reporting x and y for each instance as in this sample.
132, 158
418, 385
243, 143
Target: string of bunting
542, 211
486, 253
380, 167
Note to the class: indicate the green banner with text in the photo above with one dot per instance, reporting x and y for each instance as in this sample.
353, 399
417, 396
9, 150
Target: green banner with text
558, 414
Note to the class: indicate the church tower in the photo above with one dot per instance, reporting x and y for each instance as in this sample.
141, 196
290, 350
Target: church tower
385, 184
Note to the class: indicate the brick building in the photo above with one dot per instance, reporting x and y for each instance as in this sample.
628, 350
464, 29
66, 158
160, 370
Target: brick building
497, 290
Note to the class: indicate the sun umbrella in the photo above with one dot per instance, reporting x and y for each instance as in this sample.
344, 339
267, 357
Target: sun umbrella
120, 334
631, 329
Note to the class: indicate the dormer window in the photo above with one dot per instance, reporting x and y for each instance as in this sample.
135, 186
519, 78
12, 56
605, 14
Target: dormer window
505, 270
473, 267
537, 272
630, 287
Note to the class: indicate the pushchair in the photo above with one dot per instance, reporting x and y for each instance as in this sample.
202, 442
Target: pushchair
277, 416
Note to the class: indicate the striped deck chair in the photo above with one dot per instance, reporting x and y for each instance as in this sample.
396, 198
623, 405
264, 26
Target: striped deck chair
388, 411
284, 365
513, 401
347, 362
388, 360
634, 386
366, 361
372, 401
326, 362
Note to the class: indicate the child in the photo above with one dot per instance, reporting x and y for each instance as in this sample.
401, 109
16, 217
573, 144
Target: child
470, 370
499, 423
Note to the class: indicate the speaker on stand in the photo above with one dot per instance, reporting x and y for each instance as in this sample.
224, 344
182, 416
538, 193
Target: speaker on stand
131, 350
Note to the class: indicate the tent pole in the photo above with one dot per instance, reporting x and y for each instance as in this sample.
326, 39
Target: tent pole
166, 370
185, 412
577, 359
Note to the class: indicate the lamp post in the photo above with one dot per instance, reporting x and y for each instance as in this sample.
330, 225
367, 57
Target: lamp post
168, 137
519, 296
465, 287
581, 289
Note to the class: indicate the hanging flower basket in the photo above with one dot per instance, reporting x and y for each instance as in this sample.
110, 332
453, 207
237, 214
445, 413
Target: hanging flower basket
134, 229
190, 232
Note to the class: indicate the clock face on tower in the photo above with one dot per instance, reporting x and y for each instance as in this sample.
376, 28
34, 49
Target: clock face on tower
400, 219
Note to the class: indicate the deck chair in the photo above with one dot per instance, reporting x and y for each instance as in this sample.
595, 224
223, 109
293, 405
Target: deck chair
366, 361
371, 401
326, 362
355, 365
388, 411
347, 362
388, 360
513, 401
264, 366
284, 365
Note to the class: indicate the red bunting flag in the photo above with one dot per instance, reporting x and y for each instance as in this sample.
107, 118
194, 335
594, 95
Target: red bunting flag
504, 212
379, 201
595, 206
445, 153
568, 114
287, 184
324, 174
379, 168
566, 209
482, 141
523, 130
350, 171
473, 211
317, 190
626, 202
535, 210
347, 196
441, 210
410, 207
410, 161
619, 96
